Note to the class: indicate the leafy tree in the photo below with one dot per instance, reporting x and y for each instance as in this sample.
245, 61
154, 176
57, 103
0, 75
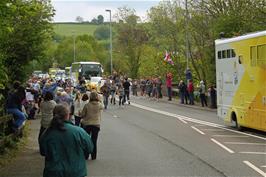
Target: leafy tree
131, 38
79, 19
26, 29
100, 19
94, 21
102, 33
87, 49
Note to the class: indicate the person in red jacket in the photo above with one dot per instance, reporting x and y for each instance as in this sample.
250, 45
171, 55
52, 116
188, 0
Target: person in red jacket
169, 78
190, 89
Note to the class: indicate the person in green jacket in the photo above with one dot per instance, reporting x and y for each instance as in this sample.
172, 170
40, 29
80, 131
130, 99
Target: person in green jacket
66, 147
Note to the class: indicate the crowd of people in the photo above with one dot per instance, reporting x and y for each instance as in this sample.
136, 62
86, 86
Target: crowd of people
71, 116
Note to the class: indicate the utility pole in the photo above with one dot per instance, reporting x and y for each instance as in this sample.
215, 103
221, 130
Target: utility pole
111, 45
74, 47
186, 28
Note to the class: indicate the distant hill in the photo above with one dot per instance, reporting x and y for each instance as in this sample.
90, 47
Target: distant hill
67, 29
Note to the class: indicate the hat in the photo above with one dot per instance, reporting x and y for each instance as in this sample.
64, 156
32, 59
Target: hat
201, 82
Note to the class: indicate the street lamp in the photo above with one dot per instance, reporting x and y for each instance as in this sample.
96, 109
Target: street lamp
74, 47
111, 47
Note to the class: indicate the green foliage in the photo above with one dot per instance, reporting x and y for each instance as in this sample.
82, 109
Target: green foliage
27, 27
100, 19
102, 33
87, 49
131, 39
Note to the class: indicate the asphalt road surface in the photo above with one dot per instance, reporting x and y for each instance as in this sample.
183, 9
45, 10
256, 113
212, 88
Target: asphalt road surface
149, 138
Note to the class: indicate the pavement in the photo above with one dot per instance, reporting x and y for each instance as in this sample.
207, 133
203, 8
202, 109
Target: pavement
176, 101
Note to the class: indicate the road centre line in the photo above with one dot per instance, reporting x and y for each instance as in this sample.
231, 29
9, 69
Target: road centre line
198, 130
257, 153
199, 125
230, 136
193, 120
222, 146
255, 168
212, 129
244, 143
183, 121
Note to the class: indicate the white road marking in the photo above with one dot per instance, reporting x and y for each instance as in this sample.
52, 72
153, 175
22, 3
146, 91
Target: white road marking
198, 130
255, 168
230, 136
263, 166
204, 123
183, 121
199, 125
258, 153
223, 146
115, 116
244, 143
212, 129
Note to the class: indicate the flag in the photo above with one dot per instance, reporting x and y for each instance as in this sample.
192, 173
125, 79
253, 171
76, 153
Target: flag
168, 59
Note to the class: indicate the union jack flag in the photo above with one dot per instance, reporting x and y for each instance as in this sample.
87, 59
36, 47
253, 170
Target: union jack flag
168, 59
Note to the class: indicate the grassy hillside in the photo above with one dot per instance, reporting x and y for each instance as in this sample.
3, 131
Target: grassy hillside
67, 29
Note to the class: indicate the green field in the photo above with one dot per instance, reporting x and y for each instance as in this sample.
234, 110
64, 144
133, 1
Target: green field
68, 29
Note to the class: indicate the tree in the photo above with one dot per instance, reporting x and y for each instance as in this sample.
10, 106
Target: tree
131, 38
25, 29
79, 19
87, 49
102, 33
94, 21
100, 19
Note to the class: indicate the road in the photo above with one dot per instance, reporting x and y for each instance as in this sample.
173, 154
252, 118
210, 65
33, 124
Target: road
149, 138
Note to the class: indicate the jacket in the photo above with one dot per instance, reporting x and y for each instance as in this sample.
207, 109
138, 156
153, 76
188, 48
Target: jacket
47, 108
65, 151
91, 113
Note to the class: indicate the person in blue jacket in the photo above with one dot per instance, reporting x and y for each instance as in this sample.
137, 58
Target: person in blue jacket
66, 147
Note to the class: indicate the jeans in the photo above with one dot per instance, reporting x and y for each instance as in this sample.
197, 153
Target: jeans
93, 132
77, 120
105, 101
126, 96
182, 97
169, 93
112, 97
121, 100
191, 98
203, 100
19, 116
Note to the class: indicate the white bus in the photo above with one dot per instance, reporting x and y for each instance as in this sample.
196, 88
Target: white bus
85, 69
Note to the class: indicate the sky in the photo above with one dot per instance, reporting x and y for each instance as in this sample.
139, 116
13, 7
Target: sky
68, 10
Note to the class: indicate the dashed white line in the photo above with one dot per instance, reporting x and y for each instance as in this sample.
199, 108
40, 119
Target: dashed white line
185, 118
223, 146
182, 121
200, 125
263, 166
255, 168
198, 130
258, 153
231, 136
244, 143
213, 129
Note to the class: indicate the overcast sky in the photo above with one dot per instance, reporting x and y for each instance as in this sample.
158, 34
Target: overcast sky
68, 10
